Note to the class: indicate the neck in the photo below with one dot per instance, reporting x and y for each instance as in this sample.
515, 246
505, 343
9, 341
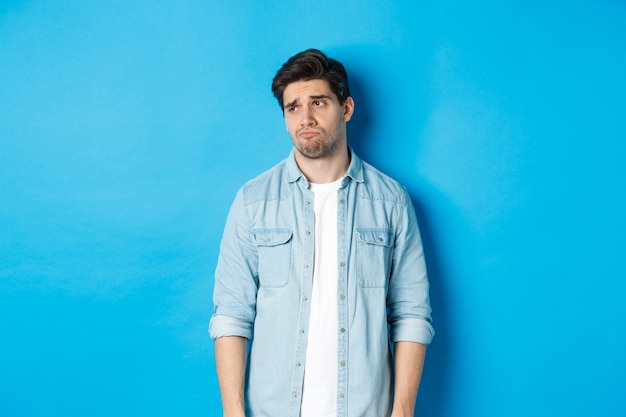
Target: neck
324, 170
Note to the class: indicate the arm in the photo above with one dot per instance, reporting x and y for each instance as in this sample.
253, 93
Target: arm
408, 301
234, 297
230, 361
409, 311
408, 364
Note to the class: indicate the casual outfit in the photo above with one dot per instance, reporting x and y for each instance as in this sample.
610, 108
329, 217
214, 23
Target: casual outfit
271, 289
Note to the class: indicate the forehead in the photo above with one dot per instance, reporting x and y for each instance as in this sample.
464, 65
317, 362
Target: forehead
305, 89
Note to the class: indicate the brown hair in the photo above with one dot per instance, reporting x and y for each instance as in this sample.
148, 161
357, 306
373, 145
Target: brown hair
312, 64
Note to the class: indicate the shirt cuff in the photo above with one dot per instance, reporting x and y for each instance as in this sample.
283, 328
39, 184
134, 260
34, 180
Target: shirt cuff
221, 326
412, 330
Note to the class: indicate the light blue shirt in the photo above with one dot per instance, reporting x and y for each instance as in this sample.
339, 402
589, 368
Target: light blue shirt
264, 276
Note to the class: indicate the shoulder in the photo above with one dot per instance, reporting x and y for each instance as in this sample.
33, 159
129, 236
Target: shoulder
380, 186
269, 185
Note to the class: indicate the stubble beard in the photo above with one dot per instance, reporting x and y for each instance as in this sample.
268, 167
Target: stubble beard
322, 146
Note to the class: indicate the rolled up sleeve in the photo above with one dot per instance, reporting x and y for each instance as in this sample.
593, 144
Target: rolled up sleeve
221, 326
408, 301
236, 277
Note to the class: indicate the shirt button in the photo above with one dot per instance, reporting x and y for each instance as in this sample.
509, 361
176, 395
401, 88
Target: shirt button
380, 239
342, 330
341, 395
306, 266
341, 232
308, 233
342, 201
342, 363
341, 264
301, 331
295, 395
342, 297
308, 203
298, 364
305, 299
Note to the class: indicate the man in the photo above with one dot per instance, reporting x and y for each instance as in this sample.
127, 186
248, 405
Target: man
321, 266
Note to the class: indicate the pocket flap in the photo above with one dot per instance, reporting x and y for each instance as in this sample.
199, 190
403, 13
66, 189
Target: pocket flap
382, 237
271, 237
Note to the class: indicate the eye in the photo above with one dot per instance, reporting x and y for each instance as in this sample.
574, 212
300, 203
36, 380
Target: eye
318, 103
292, 108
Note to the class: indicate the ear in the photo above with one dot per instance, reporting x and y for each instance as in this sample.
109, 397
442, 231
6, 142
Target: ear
348, 109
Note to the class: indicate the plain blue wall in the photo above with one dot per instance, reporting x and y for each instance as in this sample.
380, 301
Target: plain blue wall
127, 127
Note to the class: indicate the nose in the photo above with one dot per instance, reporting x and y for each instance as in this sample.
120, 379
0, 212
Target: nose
307, 116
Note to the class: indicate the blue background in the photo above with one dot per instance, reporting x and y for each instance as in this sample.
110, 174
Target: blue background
127, 127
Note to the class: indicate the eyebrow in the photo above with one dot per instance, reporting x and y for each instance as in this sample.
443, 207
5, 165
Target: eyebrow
291, 103
316, 97
320, 96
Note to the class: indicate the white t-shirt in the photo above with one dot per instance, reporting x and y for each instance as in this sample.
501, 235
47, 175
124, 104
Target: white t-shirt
319, 396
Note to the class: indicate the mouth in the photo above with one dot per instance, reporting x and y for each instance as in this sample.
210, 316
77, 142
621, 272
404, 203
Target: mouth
307, 134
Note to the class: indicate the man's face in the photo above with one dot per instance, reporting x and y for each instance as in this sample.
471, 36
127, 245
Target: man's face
315, 120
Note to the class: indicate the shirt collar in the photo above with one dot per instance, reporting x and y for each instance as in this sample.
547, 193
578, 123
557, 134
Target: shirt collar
355, 170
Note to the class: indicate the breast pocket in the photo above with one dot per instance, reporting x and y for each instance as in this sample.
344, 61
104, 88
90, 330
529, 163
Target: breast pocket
274, 250
374, 252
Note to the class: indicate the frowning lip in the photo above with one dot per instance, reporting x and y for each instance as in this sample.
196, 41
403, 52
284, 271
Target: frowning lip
308, 133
